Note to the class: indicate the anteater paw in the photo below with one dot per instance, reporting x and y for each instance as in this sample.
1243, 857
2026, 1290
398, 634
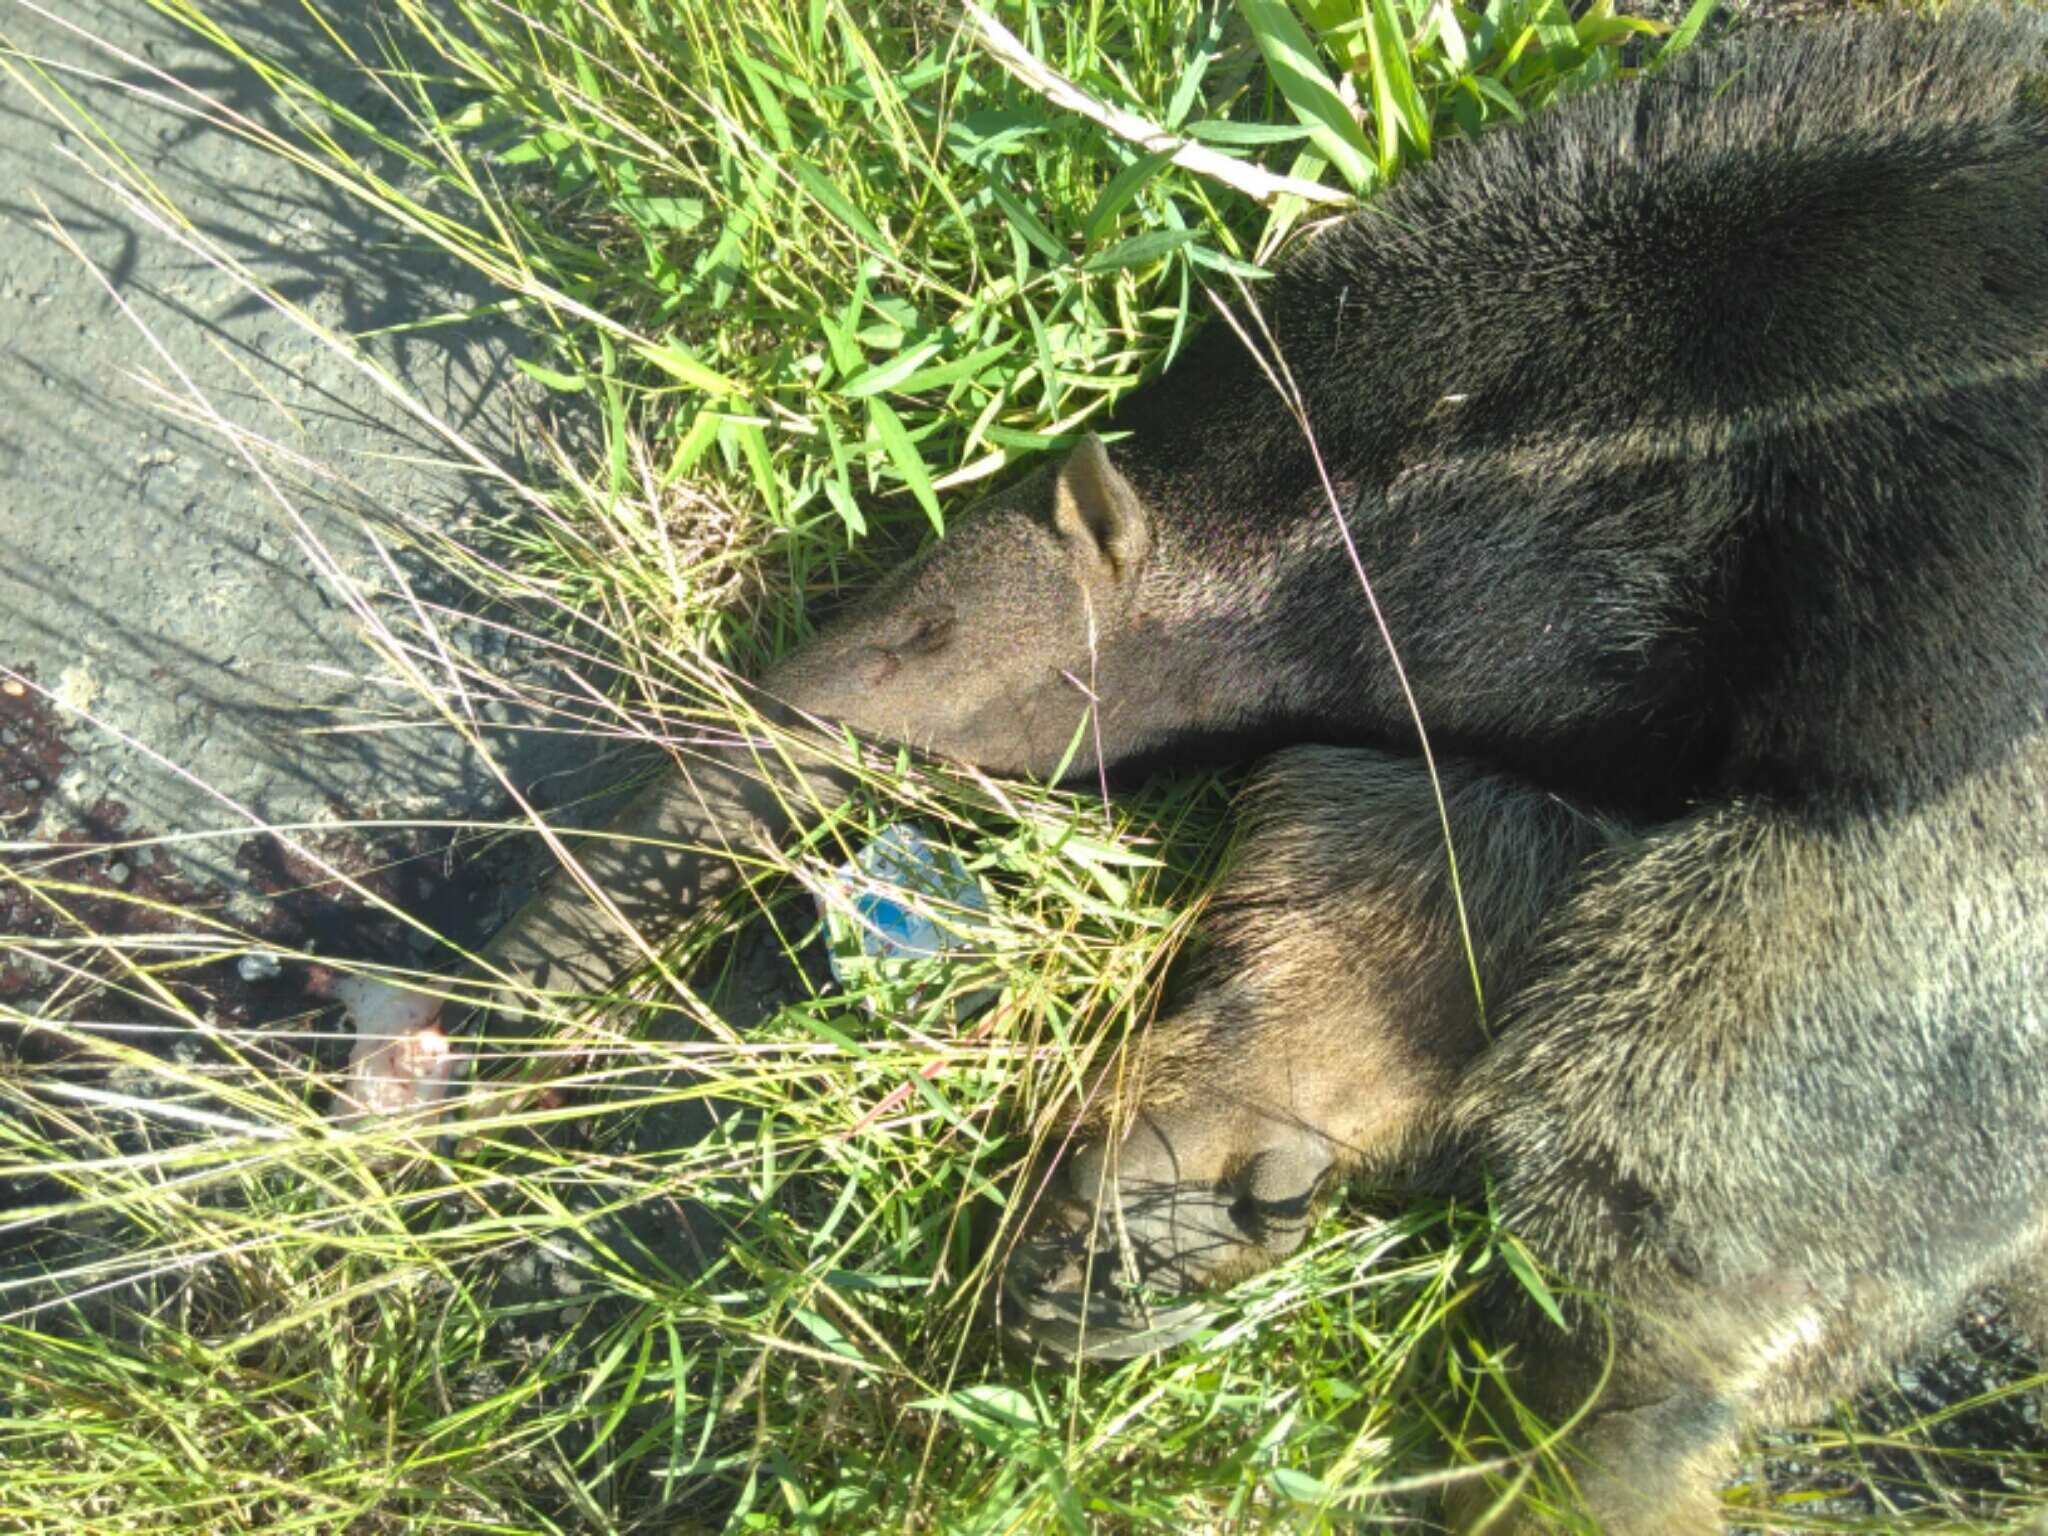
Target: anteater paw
1128, 1230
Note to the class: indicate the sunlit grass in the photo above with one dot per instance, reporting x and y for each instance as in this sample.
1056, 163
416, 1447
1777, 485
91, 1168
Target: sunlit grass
815, 275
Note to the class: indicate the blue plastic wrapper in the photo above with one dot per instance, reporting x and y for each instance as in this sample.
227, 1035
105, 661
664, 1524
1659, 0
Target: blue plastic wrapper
899, 904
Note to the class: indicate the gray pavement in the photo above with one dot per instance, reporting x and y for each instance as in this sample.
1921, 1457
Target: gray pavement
144, 573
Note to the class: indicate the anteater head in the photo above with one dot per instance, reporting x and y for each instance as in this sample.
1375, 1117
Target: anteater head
997, 646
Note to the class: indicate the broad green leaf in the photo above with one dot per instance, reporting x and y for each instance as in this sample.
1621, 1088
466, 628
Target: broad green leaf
1523, 1268
839, 482
674, 361
702, 433
1189, 86
1049, 377
1299, 1486
663, 212
1023, 221
1448, 33
1247, 134
1123, 186
760, 83
990, 1412
947, 373
1396, 101
564, 383
1139, 250
846, 355
1492, 90
1687, 31
838, 204
1287, 210
752, 443
1609, 31
979, 136
886, 376
1230, 266
1302, 81
542, 146
1031, 442
1467, 111
1093, 851
1339, 27
909, 463
826, 1333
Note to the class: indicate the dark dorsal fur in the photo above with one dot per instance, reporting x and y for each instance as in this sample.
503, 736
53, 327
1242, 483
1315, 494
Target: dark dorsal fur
1715, 406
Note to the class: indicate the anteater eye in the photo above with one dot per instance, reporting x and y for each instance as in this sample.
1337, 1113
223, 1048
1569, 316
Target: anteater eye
932, 632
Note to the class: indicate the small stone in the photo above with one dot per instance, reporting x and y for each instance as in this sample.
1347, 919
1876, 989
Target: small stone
119, 872
259, 965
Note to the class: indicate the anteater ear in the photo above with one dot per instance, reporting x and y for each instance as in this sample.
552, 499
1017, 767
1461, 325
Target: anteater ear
1098, 514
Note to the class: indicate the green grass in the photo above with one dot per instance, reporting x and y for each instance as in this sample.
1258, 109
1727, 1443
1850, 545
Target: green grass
820, 272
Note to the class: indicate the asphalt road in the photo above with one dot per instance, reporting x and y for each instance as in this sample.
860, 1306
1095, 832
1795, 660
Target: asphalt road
145, 575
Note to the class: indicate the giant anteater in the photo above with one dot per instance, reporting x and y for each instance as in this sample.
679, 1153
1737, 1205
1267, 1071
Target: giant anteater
1694, 440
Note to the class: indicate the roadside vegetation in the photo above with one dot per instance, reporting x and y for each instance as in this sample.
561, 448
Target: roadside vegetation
803, 278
